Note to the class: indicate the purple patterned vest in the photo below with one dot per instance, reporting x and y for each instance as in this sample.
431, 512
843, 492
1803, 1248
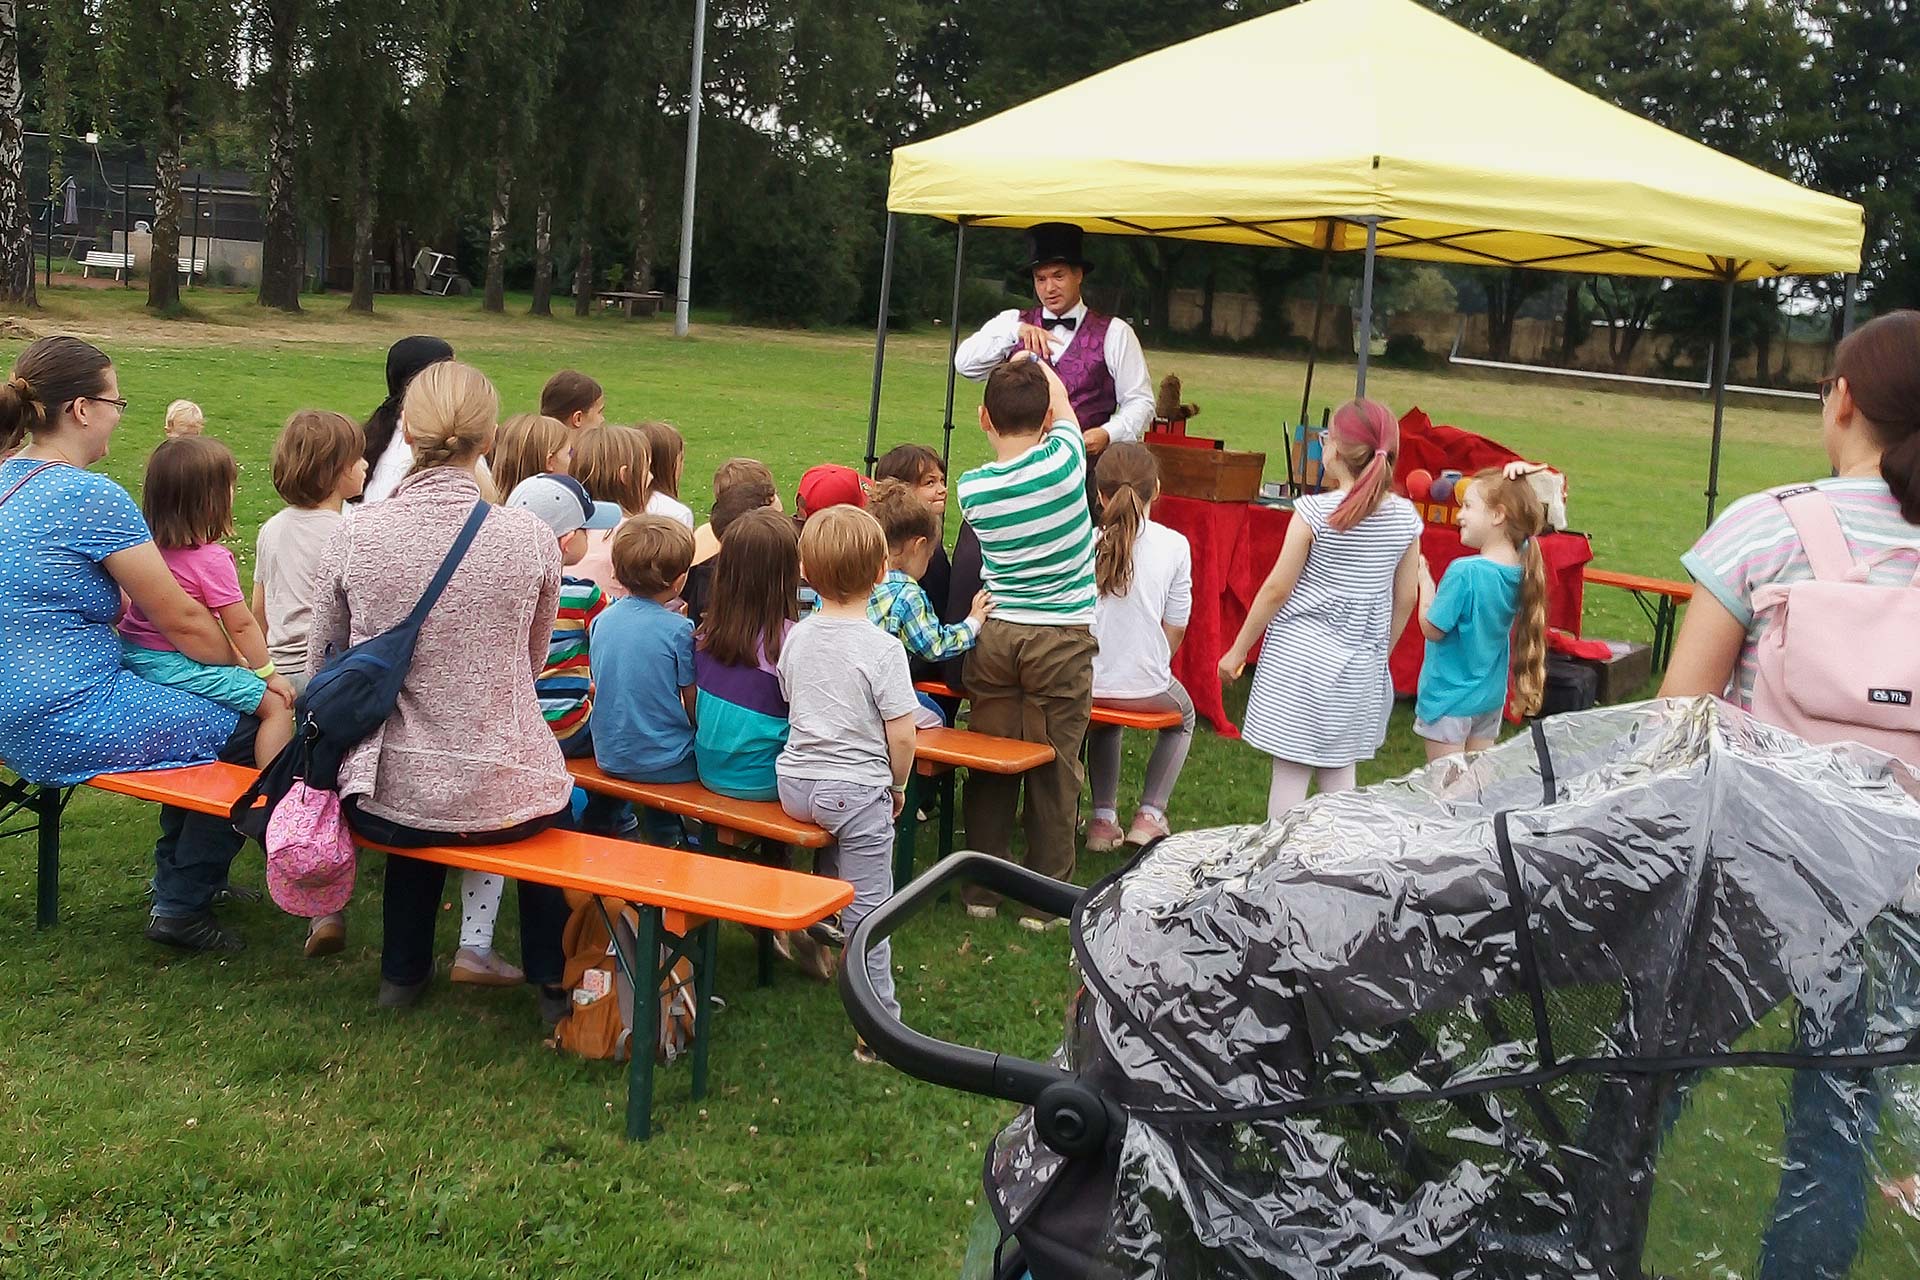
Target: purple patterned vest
1083, 368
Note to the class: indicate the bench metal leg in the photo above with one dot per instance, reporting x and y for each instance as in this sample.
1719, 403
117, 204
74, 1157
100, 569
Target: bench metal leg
905, 828
48, 804
949, 792
644, 972
1664, 624
43, 805
706, 958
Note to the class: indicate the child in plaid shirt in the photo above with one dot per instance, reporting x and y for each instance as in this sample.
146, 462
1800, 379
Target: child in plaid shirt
899, 605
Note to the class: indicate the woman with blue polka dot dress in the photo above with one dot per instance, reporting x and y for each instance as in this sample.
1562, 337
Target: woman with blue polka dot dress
71, 542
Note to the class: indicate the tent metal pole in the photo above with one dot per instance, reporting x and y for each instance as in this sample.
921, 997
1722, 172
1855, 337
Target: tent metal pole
696, 90
1721, 358
1849, 284
953, 338
1365, 342
880, 342
1313, 344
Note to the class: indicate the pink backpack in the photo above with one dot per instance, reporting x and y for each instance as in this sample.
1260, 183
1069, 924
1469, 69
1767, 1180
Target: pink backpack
1841, 661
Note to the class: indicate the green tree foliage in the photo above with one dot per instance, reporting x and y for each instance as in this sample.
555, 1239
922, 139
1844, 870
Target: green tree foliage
170, 72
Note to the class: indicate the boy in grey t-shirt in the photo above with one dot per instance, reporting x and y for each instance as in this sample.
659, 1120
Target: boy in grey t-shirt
851, 708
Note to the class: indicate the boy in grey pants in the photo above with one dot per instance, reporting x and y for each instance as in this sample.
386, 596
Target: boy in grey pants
851, 710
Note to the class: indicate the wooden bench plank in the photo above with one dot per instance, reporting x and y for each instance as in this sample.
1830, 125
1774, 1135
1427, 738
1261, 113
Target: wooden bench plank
1149, 720
763, 819
941, 749
1638, 582
674, 880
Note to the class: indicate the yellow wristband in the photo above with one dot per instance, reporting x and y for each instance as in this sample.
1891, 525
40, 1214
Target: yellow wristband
267, 672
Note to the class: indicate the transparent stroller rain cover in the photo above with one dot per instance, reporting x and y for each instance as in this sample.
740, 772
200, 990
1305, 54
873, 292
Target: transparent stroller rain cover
1635, 995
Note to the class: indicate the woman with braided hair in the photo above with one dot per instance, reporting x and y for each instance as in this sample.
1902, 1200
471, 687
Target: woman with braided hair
71, 542
466, 757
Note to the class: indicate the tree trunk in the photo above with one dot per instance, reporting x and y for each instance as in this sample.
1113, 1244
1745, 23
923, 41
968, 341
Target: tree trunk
583, 276
1573, 326
1763, 335
280, 251
1206, 301
163, 277
362, 299
16, 225
640, 273
496, 295
543, 257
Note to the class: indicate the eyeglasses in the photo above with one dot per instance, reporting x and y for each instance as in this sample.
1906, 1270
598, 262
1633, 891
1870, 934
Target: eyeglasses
1826, 385
121, 405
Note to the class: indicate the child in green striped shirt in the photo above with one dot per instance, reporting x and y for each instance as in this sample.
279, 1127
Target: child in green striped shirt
1030, 674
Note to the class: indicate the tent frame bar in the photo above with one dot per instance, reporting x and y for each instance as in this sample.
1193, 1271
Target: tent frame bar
1363, 344
880, 338
1722, 358
1393, 238
953, 342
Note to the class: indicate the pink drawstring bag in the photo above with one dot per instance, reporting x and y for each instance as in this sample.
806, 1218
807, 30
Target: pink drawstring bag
310, 855
1840, 661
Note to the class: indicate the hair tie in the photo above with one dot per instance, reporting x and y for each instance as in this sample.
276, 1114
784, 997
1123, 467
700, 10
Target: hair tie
21, 385
1379, 453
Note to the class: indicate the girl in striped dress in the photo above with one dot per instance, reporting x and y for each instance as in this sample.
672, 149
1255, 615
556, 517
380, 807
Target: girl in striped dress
1335, 602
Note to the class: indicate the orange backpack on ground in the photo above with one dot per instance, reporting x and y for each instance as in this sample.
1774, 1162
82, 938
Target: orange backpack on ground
601, 1022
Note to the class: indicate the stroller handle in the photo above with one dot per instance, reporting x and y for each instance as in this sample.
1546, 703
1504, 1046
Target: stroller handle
955, 1066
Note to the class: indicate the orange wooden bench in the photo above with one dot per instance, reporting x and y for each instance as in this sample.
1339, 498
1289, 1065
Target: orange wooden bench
759, 827
1659, 598
680, 897
745, 822
1151, 720
936, 755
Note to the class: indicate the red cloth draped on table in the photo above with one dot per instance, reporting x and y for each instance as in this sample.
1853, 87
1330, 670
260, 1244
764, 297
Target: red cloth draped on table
1235, 545
1433, 448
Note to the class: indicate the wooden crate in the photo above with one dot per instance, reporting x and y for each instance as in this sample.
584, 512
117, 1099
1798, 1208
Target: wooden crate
1212, 475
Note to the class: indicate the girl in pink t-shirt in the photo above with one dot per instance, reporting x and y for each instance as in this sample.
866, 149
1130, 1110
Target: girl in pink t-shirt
188, 500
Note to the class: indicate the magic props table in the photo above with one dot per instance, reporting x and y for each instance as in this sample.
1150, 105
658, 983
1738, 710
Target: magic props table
1234, 547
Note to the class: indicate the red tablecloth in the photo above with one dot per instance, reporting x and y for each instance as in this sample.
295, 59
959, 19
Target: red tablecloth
1234, 547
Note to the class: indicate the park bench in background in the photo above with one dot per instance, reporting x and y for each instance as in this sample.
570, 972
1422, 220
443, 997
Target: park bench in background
632, 304
118, 263
680, 896
1659, 598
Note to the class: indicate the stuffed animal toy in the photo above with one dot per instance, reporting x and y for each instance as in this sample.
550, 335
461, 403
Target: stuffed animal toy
1167, 406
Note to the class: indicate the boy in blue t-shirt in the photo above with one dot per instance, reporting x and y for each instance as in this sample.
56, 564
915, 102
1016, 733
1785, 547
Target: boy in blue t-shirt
643, 666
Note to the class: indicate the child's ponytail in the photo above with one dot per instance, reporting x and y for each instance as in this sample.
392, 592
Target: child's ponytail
1366, 437
1127, 479
1880, 362
1530, 631
1525, 520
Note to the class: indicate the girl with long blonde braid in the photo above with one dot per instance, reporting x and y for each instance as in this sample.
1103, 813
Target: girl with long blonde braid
1486, 618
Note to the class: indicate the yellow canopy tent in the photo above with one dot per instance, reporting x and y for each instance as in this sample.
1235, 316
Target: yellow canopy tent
1374, 126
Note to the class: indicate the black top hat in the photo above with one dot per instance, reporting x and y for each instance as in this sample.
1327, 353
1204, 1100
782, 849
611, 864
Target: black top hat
1049, 242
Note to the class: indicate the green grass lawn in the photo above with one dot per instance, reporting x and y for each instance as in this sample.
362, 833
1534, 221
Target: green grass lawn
256, 1115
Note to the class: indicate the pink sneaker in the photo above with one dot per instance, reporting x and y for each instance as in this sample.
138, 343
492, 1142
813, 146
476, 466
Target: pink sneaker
1146, 828
1104, 835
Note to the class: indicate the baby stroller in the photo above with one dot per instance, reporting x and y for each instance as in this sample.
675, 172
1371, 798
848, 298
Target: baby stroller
1451, 1026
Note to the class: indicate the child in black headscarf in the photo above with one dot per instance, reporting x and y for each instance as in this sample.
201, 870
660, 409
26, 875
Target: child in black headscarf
388, 455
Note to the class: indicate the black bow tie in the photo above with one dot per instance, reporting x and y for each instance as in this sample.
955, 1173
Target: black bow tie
1059, 322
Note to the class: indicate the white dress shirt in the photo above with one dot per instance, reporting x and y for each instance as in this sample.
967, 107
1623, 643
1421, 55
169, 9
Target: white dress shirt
999, 338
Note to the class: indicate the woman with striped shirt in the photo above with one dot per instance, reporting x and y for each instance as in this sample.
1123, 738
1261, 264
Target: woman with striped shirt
1870, 427
1337, 598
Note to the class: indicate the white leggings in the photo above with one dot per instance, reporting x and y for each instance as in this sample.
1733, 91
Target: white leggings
1289, 786
480, 893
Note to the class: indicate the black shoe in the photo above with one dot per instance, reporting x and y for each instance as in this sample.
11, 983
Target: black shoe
199, 932
237, 895
556, 1005
396, 995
